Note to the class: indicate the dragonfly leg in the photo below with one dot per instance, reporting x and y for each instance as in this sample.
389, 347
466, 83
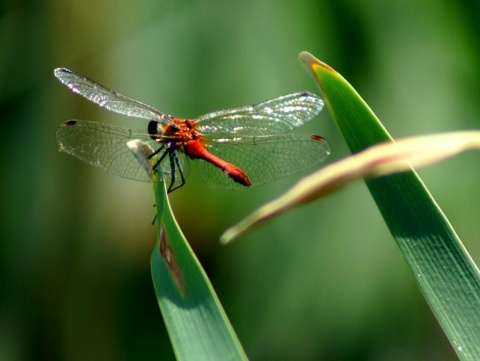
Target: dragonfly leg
168, 151
161, 158
171, 158
174, 164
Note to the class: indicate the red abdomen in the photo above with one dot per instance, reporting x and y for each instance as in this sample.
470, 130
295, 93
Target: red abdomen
196, 150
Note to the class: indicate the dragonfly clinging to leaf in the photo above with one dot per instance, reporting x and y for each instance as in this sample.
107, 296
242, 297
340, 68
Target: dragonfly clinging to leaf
233, 148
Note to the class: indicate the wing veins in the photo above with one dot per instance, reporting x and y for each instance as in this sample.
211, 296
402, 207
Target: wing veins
275, 116
107, 98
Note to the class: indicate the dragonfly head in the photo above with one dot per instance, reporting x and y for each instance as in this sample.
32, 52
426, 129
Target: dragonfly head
158, 130
155, 129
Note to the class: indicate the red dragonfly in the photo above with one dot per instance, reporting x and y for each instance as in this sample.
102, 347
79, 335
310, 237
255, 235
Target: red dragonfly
235, 147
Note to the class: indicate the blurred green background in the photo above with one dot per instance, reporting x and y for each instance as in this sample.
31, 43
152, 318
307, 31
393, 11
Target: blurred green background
325, 282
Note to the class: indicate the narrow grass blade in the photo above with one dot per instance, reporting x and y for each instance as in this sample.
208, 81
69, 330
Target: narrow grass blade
446, 274
379, 160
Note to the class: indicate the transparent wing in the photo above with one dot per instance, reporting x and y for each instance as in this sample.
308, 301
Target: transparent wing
274, 116
264, 159
105, 146
107, 98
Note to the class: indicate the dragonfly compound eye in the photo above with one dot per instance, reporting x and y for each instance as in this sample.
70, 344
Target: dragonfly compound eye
154, 129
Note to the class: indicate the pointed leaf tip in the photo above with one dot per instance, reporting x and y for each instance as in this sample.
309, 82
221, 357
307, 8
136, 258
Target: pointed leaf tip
312, 63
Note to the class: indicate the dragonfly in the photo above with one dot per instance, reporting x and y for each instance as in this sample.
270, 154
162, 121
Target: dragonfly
233, 148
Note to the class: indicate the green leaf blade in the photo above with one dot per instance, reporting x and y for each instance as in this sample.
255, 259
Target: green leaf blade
196, 322
446, 274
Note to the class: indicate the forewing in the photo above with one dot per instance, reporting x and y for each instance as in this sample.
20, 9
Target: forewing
107, 98
264, 159
274, 116
105, 146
